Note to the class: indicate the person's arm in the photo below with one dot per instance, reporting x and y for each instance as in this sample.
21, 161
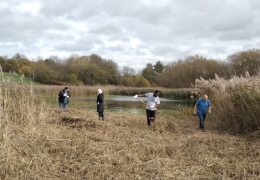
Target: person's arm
209, 109
61, 93
141, 95
195, 109
101, 99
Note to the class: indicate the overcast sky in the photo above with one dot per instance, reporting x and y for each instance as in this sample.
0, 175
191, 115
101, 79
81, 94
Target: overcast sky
130, 32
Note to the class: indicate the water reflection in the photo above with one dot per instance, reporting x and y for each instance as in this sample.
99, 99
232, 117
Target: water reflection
128, 103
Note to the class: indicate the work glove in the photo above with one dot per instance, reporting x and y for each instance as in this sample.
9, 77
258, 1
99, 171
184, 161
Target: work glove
64, 95
136, 96
98, 103
209, 110
153, 107
194, 112
68, 97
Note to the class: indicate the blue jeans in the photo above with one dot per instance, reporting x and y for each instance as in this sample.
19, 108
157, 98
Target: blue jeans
64, 105
101, 114
202, 118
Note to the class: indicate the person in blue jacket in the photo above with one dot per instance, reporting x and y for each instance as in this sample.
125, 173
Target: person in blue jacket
201, 108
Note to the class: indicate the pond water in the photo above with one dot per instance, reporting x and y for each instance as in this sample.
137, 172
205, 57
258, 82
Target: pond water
128, 103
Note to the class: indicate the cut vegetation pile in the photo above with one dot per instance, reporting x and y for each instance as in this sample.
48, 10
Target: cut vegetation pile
41, 142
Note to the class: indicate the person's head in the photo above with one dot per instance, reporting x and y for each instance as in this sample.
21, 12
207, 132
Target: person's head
66, 88
156, 93
99, 91
205, 97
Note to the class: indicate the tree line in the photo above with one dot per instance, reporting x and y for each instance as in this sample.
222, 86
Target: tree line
93, 69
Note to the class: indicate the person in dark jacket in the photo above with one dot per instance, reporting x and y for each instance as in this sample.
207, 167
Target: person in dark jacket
100, 104
64, 96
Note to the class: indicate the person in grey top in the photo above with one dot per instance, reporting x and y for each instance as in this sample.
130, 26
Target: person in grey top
153, 102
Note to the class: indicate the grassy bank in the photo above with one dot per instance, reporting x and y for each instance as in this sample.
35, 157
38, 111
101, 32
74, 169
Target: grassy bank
17, 78
40, 141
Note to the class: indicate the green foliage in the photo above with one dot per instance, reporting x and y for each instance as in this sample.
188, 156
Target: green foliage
149, 73
72, 79
26, 70
42, 73
94, 69
159, 67
12, 65
127, 80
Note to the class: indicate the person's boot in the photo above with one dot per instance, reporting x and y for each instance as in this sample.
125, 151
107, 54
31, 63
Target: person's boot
103, 118
99, 118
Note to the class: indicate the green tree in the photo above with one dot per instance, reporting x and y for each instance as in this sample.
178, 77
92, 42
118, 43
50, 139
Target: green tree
127, 80
72, 79
12, 65
149, 73
159, 67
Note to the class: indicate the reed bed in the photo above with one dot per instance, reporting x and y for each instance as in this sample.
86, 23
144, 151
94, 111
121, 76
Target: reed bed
38, 141
235, 103
86, 91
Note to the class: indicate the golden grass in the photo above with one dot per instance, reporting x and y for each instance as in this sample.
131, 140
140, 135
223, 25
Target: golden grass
39, 141
83, 91
73, 144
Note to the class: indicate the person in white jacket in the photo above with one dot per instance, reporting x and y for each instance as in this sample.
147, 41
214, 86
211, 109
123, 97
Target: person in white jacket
153, 102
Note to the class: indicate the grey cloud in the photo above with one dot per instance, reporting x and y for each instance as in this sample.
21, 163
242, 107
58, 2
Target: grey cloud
236, 35
118, 48
86, 43
59, 8
107, 29
211, 28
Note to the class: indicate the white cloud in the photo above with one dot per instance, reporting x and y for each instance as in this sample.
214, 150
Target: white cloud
131, 32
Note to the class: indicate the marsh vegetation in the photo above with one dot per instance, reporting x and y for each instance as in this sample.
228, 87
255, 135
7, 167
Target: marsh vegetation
40, 141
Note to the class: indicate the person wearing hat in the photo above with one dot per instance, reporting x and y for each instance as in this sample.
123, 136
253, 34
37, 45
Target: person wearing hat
100, 104
64, 96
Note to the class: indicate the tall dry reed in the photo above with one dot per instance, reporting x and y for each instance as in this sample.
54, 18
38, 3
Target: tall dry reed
235, 102
85, 91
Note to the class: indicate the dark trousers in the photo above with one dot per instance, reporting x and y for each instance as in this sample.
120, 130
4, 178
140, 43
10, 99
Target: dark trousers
150, 116
101, 114
202, 118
